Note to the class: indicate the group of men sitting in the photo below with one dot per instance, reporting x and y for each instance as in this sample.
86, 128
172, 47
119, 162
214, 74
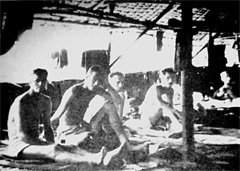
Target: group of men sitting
88, 123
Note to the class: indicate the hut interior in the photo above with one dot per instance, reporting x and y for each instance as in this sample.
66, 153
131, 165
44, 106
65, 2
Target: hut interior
213, 31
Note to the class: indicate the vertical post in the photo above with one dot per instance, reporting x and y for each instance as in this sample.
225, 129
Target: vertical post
185, 55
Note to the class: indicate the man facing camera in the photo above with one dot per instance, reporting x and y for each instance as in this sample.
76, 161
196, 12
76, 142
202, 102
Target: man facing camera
26, 113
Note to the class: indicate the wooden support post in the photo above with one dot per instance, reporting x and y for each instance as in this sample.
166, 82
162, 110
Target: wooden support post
187, 110
187, 80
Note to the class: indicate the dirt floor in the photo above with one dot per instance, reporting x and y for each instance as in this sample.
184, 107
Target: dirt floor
216, 149
210, 158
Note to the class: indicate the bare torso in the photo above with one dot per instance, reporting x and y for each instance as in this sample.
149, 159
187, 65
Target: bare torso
77, 106
166, 95
30, 109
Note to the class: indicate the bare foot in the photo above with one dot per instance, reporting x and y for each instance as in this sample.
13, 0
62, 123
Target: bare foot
98, 157
137, 147
175, 135
112, 154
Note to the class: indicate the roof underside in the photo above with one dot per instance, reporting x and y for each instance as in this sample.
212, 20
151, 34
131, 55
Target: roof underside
138, 13
215, 16
142, 14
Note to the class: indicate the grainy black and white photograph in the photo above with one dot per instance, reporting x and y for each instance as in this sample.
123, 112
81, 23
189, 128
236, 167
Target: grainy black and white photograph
131, 85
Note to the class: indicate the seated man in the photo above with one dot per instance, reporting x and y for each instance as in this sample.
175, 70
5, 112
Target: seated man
158, 107
227, 90
129, 103
226, 97
23, 128
89, 107
52, 91
116, 79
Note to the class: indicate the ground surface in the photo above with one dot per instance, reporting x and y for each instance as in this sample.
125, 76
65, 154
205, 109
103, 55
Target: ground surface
215, 149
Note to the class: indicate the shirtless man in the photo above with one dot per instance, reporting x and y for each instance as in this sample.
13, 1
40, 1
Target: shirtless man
226, 92
164, 104
158, 103
23, 128
129, 103
88, 106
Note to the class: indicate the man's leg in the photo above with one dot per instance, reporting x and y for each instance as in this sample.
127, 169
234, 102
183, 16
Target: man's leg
61, 154
116, 125
115, 122
110, 111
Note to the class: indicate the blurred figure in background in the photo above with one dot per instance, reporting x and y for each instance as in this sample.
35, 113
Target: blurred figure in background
227, 91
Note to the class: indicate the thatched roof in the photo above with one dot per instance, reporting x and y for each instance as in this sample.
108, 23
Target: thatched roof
216, 16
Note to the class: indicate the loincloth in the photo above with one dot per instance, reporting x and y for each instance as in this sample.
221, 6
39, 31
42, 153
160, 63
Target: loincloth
71, 135
15, 148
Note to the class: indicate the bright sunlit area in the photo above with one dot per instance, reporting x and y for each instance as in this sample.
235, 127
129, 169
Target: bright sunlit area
34, 48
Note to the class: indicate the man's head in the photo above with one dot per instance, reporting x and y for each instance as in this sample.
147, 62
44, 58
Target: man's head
116, 79
38, 80
225, 77
167, 77
96, 77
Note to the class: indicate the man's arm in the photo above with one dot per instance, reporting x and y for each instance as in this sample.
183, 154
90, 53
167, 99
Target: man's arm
167, 105
164, 104
231, 94
17, 112
48, 132
218, 93
67, 97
